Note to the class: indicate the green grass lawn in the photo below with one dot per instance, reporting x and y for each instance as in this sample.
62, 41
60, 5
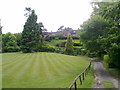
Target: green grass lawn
40, 70
108, 84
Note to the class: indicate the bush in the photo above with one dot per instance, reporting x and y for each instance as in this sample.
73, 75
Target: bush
91, 54
75, 37
11, 49
76, 44
47, 48
106, 59
83, 51
61, 44
55, 37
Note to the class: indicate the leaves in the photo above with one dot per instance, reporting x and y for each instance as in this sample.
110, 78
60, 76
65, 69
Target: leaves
101, 33
31, 38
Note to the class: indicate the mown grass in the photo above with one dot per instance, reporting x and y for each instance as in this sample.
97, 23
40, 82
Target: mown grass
108, 84
40, 70
88, 80
115, 72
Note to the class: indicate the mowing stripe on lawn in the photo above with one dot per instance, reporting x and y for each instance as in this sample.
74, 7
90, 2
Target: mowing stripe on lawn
68, 63
41, 70
77, 65
63, 61
10, 59
46, 70
24, 70
54, 69
60, 65
16, 66
17, 60
35, 70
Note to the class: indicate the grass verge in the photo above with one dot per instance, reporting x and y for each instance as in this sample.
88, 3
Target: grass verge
88, 81
115, 72
108, 84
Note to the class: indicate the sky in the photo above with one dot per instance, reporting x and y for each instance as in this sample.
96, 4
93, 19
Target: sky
52, 13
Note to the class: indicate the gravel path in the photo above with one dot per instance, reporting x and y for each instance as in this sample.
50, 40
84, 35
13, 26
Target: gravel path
100, 74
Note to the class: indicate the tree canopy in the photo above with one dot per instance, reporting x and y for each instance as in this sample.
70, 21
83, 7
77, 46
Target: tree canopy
101, 33
31, 38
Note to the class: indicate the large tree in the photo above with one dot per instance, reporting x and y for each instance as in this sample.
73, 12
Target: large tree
111, 39
91, 30
101, 34
31, 39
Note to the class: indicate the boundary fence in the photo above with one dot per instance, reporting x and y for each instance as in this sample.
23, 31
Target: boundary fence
81, 76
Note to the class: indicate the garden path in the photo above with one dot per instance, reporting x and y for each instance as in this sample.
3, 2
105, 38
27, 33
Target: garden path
102, 74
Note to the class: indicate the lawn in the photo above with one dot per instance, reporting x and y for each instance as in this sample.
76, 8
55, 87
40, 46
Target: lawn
108, 84
40, 70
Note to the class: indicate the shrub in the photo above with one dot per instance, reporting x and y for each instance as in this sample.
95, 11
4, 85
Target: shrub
91, 54
75, 37
61, 44
106, 59
76, 44
83, 51
47, 48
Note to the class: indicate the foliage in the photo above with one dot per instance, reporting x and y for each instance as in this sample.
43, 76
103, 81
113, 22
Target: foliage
61, 44
59, 37
55, 37
115, 72
9, 43
91, 30
69, 45
106, 59
47, 48
18, 38
100, 34
31, 39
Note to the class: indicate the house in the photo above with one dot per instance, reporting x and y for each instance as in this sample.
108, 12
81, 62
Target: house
65, 32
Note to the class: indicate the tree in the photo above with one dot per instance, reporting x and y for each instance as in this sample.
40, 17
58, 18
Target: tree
69, 45
110, 40
101, 34
0, 27
29, 10
9, 43
90, 31
18, 38
31, 38
0, 37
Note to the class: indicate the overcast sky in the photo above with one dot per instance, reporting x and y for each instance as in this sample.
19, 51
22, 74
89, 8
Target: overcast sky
52, 13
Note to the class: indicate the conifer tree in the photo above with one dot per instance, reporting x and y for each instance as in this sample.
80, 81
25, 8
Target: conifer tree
31, 34
69, 45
